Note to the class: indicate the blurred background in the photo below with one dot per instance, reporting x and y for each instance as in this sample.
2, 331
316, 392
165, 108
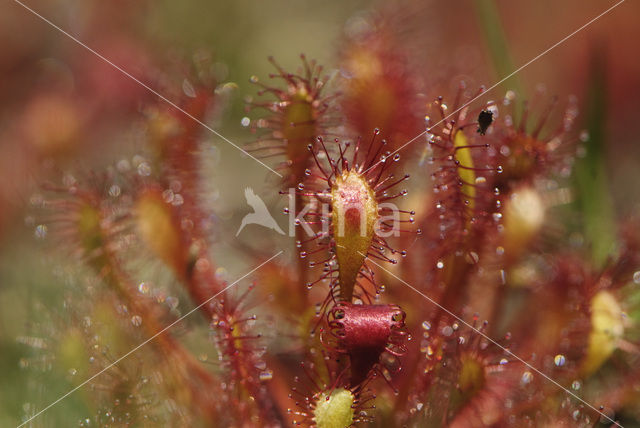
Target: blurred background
62, 109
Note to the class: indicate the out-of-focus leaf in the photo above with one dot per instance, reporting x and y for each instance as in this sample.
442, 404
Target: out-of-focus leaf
591, 184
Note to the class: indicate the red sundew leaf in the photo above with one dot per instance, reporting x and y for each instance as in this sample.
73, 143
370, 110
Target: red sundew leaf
364, 332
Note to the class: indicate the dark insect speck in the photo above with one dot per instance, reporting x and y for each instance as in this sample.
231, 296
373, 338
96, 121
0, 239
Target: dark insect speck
484, 120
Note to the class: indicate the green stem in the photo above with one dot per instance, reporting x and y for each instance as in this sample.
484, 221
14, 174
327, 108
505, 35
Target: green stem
590, 180
491, 26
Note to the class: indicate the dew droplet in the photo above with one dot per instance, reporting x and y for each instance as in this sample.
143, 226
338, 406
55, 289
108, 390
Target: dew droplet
440, 264
559, 360
576, 385
172, 302
266, 375
636, 277
144, 287
177, 200
136, 320
527, 377
123, 165
584, 136
426, 325
69, 180
114, 191
509, 96
167, 196
245, 121
144, 169
429, 351
41, 231
472, 257
188, 89
221, 274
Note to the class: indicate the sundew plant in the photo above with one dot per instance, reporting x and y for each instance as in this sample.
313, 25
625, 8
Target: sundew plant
425, 219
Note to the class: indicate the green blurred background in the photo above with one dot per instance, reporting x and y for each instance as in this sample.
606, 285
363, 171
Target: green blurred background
147, 39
